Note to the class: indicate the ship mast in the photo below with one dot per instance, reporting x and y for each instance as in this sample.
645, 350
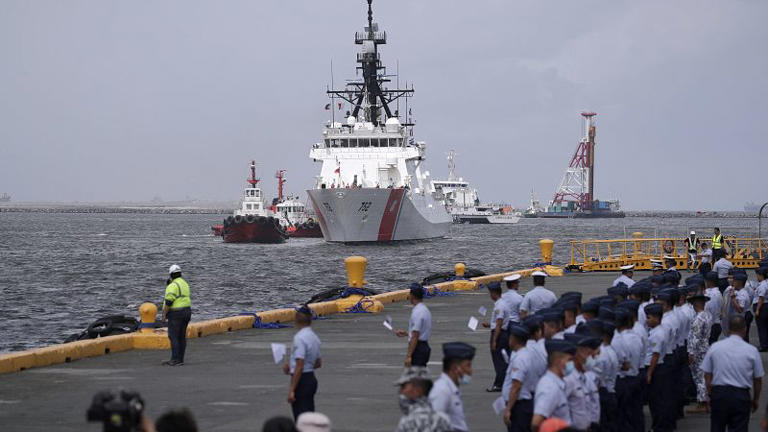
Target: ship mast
371, 96
451, 165
253, 181
280, 182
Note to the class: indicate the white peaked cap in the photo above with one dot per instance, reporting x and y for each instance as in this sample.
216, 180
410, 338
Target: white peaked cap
512, 278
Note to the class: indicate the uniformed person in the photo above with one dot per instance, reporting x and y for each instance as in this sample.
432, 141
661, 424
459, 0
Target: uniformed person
305, 358
607, 370
520, 381
418, 414
657, 267
580, 387
658, 376
736, 299
177, 309
589, 311
732, 368
627, 271
552, 322
693, 250
718, 249
671, 272
698, 345
538, 298
628, 386
499, 336
419, 329
715, 304
723, 267
550, 400
457, 371
761, 308
513, 297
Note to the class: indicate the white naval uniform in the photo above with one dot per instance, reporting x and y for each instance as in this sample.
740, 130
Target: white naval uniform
513, 299
628, 281
536, 299
550, 399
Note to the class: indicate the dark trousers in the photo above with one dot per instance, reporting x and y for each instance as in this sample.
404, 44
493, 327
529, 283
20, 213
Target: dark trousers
671, 384
420, 356
177, 332
729, 407
686, 378
658, 394
748, 317
305, 395
762, 326
630, 404
714, 334
521, 416
499, 365
643, 385
608, 411
705, 268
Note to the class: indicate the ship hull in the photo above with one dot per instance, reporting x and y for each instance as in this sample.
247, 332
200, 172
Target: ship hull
253, 232
378, 215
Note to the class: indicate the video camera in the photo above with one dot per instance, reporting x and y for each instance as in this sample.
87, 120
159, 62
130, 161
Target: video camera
118, 411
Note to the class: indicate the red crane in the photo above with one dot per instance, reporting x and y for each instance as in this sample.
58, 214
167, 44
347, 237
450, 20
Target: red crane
578, 183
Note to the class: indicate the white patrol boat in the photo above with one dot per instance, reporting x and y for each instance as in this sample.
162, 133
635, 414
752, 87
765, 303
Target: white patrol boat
373, 185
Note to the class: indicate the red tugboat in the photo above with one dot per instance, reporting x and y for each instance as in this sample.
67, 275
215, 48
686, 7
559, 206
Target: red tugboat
293, 214
252, 222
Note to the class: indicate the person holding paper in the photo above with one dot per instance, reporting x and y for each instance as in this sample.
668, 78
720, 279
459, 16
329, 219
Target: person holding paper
499, 335
305, 358
419, 327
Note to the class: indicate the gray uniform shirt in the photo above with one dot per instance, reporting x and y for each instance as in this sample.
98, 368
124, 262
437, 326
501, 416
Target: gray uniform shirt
306, 346
513, 299
536, 299
550, 400
715, 304
733, 362
721, 267
421, 321
446, 398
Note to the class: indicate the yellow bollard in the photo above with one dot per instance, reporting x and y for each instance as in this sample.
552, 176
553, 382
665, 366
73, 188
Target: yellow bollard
459, 269
148, 313
546, 246
356, 271
636, 247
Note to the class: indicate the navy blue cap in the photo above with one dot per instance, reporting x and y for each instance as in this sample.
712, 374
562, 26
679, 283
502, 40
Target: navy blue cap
630, 305
519, 331
606, 313
611, 302
741, 276
595, 326
304, 309
671, 277
664, 294
582, 340
694, 280
654, 309
532, 322
622, 313
551, 314
620, 290
569, 305
494, 286
608, 326
582, 328
416, 288
657, 279
692, 289
590, 307
698, 297
712, 276
458, 350
572, 294
559, 345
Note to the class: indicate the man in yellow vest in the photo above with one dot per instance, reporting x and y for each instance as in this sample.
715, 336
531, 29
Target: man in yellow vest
717, 245
177, 308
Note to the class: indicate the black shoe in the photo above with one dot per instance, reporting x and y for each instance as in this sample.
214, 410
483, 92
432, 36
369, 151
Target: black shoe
493, 389
167, 362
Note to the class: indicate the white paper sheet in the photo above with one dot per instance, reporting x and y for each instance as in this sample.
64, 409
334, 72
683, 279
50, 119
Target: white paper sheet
278, 351
482, 311
472, 323
498, 405
388, 325
505, 356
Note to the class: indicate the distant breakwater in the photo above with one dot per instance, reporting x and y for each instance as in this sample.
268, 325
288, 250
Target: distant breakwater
106, 210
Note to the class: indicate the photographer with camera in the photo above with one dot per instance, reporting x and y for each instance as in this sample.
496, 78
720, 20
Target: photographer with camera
123, 411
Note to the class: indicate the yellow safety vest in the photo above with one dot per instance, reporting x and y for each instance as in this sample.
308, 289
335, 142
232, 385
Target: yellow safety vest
717, 241
178, 293
693, 245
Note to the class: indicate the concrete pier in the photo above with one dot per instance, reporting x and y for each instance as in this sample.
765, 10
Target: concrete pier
231, 383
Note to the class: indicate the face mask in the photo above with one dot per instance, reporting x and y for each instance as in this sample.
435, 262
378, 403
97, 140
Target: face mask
465, 379
569, 367
590, 363
404, 403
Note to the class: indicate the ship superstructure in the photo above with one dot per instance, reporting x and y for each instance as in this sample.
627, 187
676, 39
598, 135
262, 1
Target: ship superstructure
373, 185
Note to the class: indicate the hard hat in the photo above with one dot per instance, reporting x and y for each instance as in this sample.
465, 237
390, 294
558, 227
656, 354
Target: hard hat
174, 269
693, 232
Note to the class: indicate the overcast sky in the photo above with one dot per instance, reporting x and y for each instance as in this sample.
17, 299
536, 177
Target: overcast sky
125, 100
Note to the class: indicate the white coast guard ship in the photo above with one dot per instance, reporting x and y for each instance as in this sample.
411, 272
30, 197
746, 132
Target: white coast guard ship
373, 185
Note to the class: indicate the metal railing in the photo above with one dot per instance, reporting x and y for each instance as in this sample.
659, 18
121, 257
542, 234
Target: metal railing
584, 252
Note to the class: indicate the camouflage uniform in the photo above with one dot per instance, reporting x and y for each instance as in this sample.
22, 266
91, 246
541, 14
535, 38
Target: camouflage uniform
422, 417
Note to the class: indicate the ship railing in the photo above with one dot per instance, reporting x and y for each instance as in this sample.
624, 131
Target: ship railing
379, 37
606, 254
363, 57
